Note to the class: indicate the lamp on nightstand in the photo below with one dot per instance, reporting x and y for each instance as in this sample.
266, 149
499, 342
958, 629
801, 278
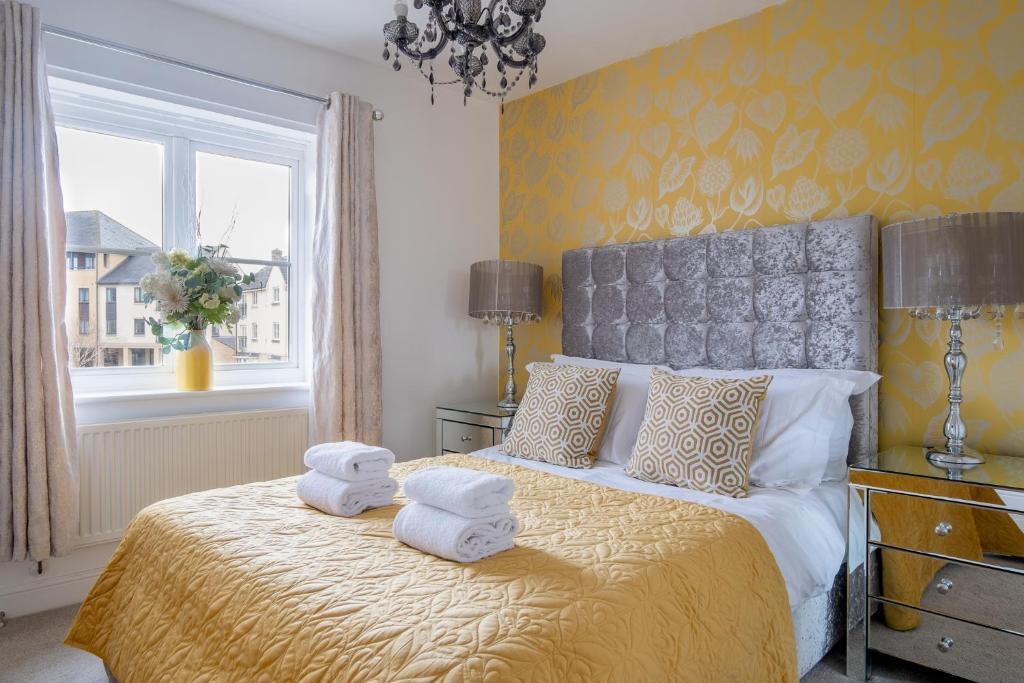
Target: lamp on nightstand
955, 268
506, 293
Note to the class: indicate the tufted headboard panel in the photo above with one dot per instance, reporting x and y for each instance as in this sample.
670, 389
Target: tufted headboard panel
788, 296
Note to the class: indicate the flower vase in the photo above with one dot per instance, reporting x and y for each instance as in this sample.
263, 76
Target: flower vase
193, 368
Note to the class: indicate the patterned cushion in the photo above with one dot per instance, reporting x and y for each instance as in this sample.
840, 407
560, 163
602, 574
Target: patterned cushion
562, 415
698, 432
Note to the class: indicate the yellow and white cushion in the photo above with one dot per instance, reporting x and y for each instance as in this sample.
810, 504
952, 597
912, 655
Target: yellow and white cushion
698, 432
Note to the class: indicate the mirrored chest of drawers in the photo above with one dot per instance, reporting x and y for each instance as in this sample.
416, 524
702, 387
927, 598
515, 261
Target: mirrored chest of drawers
466, 426
935, 565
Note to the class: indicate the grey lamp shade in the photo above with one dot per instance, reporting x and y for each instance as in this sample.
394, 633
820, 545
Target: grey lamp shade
965, 259
505, 290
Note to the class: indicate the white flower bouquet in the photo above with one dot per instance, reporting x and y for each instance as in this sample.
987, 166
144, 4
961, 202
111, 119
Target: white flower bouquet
190, 293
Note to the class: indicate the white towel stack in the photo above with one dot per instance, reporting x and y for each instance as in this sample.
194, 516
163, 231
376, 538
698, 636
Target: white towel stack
458, 514
347, 478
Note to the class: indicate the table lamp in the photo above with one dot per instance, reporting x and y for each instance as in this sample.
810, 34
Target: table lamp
506, 293
957, 267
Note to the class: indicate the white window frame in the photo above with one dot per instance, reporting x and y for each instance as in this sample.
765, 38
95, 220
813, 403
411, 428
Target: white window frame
184, 131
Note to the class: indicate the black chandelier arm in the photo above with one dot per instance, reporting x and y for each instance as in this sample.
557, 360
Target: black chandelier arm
432, 53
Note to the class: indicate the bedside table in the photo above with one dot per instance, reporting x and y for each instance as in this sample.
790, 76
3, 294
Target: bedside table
465, 426
945, 588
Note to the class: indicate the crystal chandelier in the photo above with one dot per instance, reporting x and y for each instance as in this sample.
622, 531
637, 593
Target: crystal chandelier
502, 32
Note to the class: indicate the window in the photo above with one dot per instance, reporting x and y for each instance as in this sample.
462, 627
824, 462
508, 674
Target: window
277, 332
140, 175
111, 358
83, 326
142, 357
140, 328
78, 260
83, 295
83, 310
255, 332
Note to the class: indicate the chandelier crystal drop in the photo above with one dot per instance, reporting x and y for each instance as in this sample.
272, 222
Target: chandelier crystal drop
475, 36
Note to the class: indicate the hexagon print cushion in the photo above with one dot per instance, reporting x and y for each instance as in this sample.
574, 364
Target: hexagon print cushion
698, 432
562, 415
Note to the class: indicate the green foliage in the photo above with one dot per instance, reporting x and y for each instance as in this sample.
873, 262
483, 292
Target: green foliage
191, 293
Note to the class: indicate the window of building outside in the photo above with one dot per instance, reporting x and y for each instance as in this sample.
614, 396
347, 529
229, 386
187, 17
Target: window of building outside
125, 165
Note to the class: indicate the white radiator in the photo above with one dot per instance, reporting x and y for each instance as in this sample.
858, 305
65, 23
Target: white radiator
126, 466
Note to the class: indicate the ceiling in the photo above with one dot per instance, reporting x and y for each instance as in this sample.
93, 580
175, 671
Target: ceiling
583, 35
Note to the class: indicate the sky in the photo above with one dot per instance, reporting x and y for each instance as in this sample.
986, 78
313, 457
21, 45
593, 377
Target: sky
123, 178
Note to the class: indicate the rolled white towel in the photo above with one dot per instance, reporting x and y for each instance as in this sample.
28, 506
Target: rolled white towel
465, 492
350, 460
344, 498
452, 537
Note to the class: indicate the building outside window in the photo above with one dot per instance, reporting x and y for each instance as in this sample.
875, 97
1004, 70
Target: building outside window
137, 292
111, 358
277, 332
83, 326
255, 332
140, 327
78, 260
276, 295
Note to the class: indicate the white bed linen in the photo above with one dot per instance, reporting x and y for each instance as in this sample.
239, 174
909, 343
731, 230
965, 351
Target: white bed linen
805, 528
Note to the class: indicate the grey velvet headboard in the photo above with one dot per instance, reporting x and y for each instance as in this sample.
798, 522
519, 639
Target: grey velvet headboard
788, 296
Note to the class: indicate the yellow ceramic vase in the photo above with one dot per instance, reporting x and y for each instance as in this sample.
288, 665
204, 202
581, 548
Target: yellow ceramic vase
193, 369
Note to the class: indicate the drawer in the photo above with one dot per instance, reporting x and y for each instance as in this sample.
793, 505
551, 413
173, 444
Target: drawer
979, 594
957, 647
942, 527
458, 437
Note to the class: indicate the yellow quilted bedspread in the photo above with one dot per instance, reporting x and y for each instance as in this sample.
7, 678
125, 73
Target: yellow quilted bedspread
248, 584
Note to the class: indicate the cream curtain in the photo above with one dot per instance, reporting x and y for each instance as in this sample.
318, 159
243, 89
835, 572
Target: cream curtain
345, 401
38, 467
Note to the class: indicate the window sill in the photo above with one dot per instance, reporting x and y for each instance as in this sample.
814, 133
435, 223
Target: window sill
103, 407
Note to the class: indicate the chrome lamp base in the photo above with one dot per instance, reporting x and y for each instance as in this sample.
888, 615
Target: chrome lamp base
509, 401
964, 460
955, 457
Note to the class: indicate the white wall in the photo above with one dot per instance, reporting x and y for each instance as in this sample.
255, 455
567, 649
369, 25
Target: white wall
437, 179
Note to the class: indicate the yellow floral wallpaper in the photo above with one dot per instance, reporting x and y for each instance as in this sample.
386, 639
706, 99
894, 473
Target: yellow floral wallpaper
898, 108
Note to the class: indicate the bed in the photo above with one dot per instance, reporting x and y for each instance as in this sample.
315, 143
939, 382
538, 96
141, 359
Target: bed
611, 578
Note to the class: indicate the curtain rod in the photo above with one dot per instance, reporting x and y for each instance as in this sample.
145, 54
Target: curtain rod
378, 115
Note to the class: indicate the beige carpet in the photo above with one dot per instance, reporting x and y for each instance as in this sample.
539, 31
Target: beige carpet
33, 652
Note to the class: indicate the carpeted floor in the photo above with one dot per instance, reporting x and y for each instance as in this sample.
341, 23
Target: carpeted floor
33, 652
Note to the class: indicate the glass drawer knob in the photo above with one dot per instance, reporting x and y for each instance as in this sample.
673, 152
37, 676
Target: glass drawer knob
945, 644
943, 528
944, 586
467, 438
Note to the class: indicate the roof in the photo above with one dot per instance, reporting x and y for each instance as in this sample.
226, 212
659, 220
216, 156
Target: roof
96, 231
226, 341
263, 276
129, 271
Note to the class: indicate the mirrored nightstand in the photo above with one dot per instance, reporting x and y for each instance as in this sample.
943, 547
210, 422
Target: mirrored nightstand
935, 565
466, 426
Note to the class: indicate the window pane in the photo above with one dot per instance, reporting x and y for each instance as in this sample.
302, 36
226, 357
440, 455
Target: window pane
244, 204
113, 195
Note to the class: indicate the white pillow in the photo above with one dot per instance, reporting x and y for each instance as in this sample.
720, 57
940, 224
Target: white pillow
627, 413
839, 446
799, 414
